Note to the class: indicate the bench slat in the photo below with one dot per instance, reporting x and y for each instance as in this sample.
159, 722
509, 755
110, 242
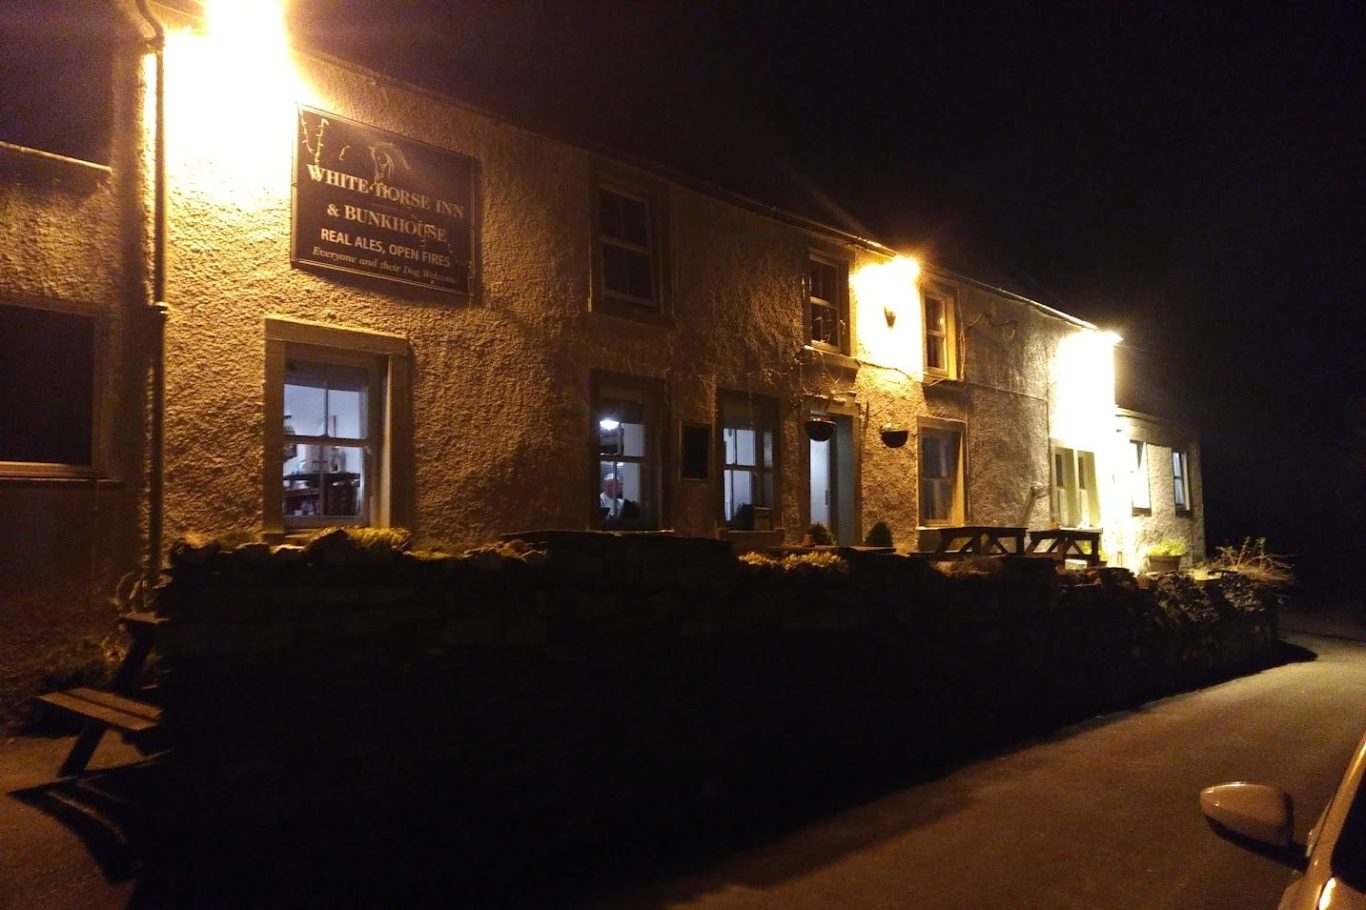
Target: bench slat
112, 710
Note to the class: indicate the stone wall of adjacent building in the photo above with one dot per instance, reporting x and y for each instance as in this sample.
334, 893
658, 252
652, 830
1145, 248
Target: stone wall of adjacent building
72, 240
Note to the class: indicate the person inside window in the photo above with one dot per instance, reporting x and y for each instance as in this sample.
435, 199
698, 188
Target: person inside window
609, 500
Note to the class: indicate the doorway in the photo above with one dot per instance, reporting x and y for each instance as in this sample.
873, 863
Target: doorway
831, 500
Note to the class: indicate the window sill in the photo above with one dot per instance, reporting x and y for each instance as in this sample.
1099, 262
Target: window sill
37, 166
72, 480
827, 357
632, 313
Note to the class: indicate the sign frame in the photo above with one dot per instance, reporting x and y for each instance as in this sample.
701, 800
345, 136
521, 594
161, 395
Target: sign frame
351, 214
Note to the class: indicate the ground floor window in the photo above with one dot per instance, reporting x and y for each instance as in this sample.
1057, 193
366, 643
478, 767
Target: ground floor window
1076, 502
331, 440
626, 425
1180, 480
47, 404
748, 451
941, 476
337, 426
1139, 492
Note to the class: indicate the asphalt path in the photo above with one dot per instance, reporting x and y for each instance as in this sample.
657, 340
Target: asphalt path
1101, 815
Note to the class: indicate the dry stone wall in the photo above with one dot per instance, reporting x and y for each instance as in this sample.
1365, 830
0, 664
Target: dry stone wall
565, 673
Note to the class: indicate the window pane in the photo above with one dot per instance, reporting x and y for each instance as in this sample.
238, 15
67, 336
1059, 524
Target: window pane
325, 482
823, 281
325, 399
934, 315
47, 365
739, 491
1139, 494
934, 353
627, 271
623, 218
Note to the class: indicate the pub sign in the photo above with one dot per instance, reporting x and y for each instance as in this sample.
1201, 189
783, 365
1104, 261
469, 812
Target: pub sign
373, 203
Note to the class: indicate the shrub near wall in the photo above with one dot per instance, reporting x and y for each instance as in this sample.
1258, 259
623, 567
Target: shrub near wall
613, 677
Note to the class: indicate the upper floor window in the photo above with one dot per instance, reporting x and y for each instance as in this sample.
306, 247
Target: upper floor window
1180, 480
56, 61
938, 307
748, 425
1139, 494
47, 403
628, 258
828, 311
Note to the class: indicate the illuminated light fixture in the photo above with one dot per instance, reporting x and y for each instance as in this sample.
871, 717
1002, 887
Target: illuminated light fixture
609, 423
1111, 338
896, 277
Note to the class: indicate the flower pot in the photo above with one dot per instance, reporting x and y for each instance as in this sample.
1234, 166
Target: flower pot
893, 438
1161, 564
820, 429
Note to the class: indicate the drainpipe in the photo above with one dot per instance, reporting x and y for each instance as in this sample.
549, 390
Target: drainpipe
157, 310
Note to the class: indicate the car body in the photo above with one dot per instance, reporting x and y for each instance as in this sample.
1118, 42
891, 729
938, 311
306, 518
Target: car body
1332, 870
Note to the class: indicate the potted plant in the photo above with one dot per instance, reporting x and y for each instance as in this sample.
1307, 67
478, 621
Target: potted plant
1166, 556
819, 429
892, 437
818, 535
879, 535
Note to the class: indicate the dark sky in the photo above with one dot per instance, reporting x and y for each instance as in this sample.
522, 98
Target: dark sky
1190, 174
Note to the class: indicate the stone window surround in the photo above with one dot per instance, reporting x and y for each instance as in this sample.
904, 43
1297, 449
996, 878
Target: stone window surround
657, 459
948, 294
391, 496
655, 194
841, 263
767, 408
958, 507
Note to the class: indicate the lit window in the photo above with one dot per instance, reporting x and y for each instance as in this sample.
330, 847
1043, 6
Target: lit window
626, 247
938, 310
828, 283
47, 360
625, 427
1139, 494
1076, 503
1180, 480
329, 442
940, 476
747, 444
339, 427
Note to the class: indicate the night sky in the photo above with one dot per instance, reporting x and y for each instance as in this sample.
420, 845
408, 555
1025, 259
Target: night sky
1189, 175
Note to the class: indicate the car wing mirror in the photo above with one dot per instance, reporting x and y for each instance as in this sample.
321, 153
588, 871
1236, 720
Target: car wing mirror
1255, 817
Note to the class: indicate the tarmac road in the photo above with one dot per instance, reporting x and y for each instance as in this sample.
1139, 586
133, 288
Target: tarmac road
1102, 815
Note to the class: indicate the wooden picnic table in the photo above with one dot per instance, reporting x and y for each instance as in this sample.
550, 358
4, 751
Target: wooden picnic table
979, 540
1067, 543
112, 710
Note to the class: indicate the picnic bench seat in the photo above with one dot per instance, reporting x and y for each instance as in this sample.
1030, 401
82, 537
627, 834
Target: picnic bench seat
116, 710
